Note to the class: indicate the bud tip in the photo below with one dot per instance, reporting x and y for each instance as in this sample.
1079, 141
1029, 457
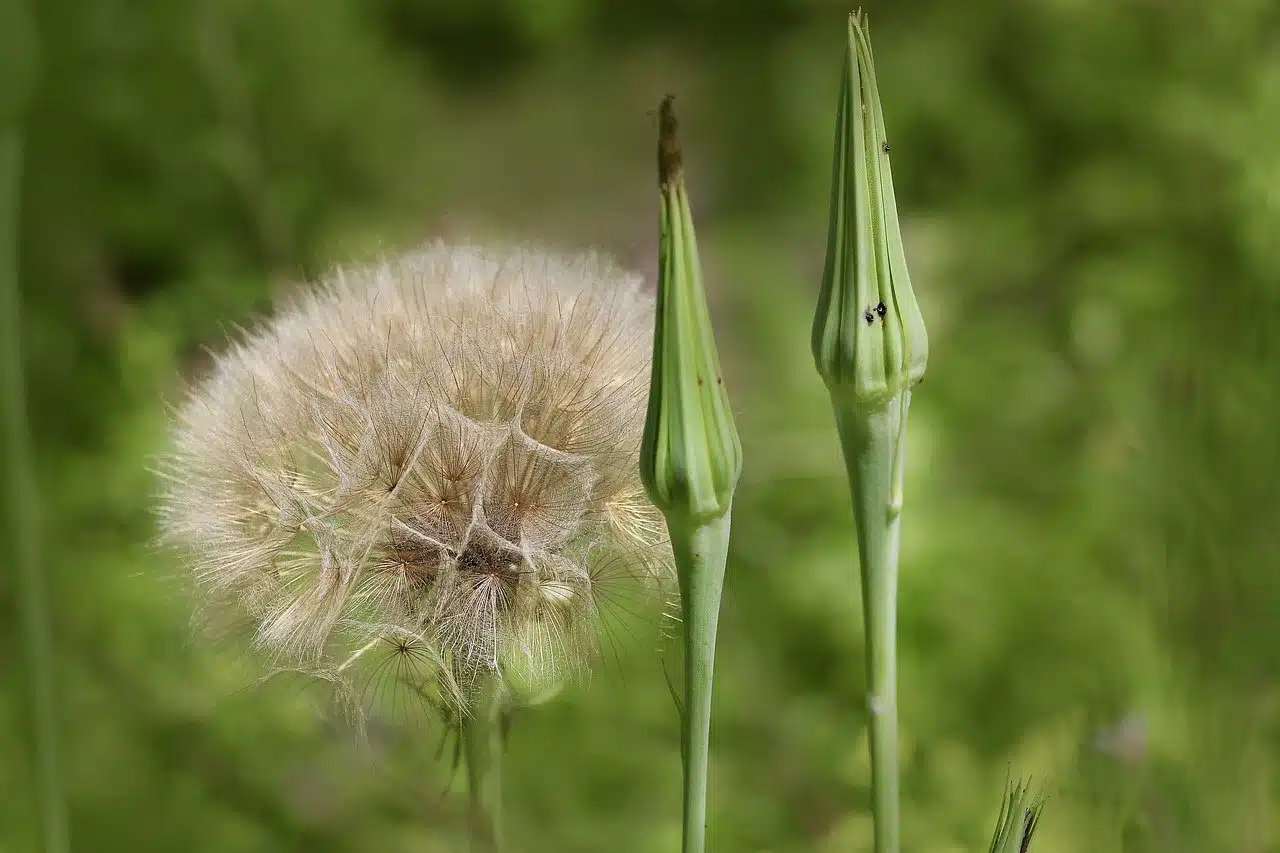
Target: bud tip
670, 160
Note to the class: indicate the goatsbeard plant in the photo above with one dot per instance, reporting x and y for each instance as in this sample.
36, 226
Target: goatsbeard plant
427, 467
870, 347
690, 462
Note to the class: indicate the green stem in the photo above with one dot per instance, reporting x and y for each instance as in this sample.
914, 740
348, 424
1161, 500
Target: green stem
482, 743
875, 451
700, 551
21, 499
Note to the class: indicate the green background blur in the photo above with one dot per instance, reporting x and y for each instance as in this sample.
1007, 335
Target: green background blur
1090, 580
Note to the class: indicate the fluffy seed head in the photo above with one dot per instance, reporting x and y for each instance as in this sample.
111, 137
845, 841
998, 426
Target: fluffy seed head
433, 461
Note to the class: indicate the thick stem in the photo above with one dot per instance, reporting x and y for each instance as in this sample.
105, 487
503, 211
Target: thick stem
482, 743
700, 551
21, 498
875, 451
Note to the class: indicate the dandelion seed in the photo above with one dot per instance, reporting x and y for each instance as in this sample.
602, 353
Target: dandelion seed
419, 467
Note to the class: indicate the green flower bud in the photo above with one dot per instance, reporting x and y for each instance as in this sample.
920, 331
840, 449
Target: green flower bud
691, 456
869, 339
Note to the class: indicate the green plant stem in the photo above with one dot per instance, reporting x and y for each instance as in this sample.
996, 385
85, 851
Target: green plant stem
21, 500
875, 451
482, 743
701, 550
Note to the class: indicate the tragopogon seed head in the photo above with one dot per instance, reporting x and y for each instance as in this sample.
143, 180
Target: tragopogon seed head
434, 454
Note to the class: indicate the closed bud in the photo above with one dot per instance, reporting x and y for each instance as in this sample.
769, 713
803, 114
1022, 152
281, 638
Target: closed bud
690, 460
691, 455
869, 338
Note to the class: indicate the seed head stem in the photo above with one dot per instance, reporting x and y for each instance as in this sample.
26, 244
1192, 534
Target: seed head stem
482, 743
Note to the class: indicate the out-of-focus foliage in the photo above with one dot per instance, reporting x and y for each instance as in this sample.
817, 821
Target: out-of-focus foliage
1090, 579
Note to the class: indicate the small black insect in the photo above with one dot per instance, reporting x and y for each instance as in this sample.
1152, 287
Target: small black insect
884, 146
881, 310
869, 317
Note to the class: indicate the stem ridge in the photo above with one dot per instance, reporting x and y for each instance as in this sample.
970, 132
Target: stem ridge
700, 550
874, 443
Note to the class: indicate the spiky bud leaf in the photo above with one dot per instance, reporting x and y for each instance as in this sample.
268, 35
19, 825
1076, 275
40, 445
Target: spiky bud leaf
691, 456
869, 339
1019, 816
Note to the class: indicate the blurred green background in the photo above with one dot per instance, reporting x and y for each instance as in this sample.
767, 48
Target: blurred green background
1090, 580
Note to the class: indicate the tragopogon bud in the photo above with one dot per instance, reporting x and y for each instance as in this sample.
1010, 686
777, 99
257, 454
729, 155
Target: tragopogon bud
435, 454
870, 347
869, 338
691, 457
690, 462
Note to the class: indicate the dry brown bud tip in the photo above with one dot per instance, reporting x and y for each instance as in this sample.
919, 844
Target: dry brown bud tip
670, 162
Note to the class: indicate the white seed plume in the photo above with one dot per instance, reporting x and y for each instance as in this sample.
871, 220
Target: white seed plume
433, 458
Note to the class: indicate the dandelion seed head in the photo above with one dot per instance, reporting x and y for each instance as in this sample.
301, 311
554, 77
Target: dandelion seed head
426, 461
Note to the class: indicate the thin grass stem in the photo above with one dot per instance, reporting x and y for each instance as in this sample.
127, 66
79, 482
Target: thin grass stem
32, 598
